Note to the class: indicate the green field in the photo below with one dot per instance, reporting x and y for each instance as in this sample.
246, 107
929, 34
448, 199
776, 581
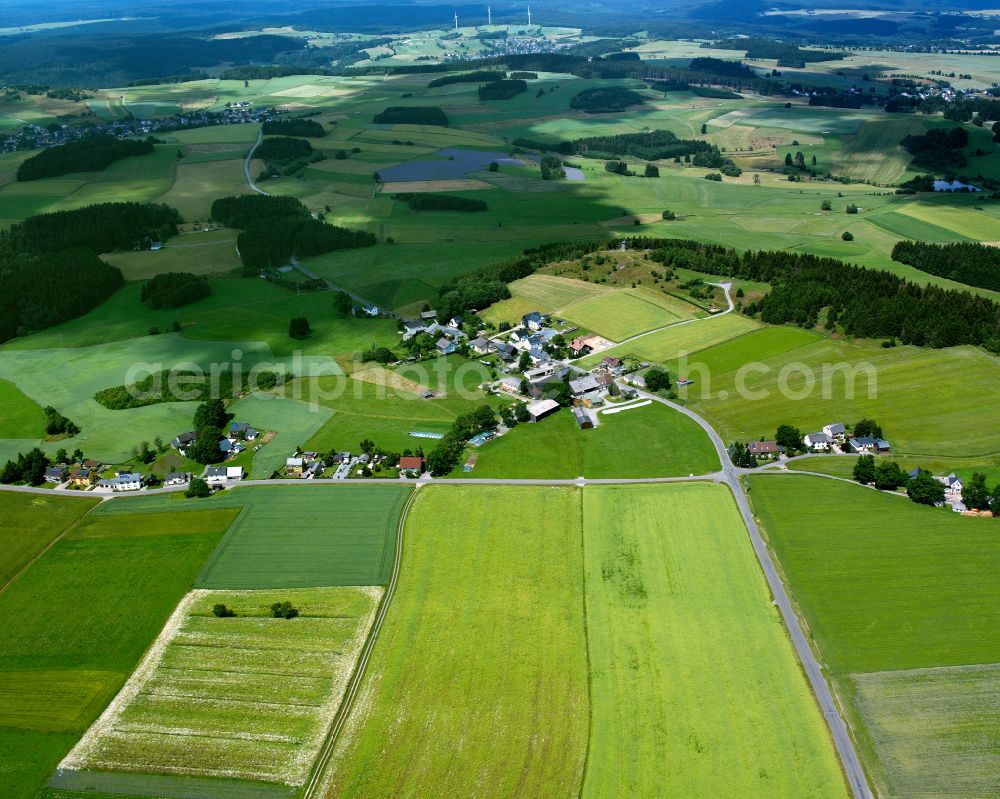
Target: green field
807, 380
622, 314
20, 416
902, 604
29, 523
651, 441
184, 711
76, 622
479, 675
674, 601
305, 536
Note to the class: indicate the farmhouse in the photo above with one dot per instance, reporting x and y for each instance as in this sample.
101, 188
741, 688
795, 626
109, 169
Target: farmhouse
217, 475
534, 320
56, 474
124, 481
445, 346
541, 408
612, 364
766, 449
532, 375
177, 478
579, 346
429, 316
818, 442
504, 350
82, 476
183, 441
510, 384
952, 487
835, 430
479, 345
411, 463
583, 385
242, 430
869, 444
639, 381
294, 466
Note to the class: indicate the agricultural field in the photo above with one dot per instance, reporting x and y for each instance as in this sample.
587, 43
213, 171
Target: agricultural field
674, 595
300, 536
902, 606
29, 523
77, 621
627, 313
19, 414
749, 386
484, 640
650, 441
185, 709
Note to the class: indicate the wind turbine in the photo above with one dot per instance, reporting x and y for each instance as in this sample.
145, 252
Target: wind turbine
529, 15
489, 15
456, 21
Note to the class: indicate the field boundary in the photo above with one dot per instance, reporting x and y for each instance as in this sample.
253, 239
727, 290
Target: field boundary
314, 781
223, 545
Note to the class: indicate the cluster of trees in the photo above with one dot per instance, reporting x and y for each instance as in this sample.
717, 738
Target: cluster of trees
284, 610
618, 168
174, 289
274, 229
479, 76
283, 149
28, 468
551, 168
923, 488
160, 387
605, 100
445, 456
309, 128
741, 456
502, 89
965, 262
937, 150
209, 420
57, 424
651, 145
439, 202
92, 154
411, 115
721, 66
101, 228
786, 53
299, 328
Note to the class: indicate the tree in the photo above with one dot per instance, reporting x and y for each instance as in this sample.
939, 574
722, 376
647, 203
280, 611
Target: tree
847, 236
925, 489
205, 449
865, 428
741, 456
652, 171
367, 446
284, 610
826, 205
342, 303
657, 380
788, 437
62, 456
524, 361
521, 412
888, 476
852, 209
146, 455
210, 414
670, 216
198, 488
788, 159
222, 611
494, 166
704, 128
814, 160
974, 493
298, 328
864, 469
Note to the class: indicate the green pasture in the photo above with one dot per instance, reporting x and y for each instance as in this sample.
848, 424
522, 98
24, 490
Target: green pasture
197, 185
188, 714
747, 393
200, 252
479, 674
901, 602
648, 441
305, 536
675, 600
622, 314
20, 416
31, 522
75, 624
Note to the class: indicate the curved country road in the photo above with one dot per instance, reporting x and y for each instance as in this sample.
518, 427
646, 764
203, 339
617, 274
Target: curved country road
249, 158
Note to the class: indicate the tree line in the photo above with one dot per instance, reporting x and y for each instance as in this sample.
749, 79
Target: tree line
502, 89
439, 202
604, 100
309, 128
411, 115
651, 145
479, 76
964, 262
159, 387
92, 154
937, 150
174, 289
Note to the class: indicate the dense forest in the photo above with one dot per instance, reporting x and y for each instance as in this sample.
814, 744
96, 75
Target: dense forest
605, 100
106, 227
283, 149
309, 128
87, 155
786, 53
479, 76
440, 202
720, 66
965, 262
502, 89
411, 115
276, 228
44, 289
174, 289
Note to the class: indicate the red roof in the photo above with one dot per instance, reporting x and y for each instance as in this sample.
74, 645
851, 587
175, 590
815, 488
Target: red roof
411, 462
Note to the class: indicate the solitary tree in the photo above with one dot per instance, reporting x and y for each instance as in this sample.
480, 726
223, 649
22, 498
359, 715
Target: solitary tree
847, 236
788, 437
670, 216
652, 171
298, 328
888, 476
788, 159
198, 488
657, 380
704, 128
222, 611
825, 205
974, 493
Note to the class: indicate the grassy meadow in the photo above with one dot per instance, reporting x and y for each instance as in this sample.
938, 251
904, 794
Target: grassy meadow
902, 605
76, 622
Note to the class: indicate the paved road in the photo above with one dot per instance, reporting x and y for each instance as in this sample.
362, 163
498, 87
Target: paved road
249, 158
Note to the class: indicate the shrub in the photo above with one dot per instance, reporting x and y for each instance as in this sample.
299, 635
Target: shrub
222, 611
847, 236
284, 610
